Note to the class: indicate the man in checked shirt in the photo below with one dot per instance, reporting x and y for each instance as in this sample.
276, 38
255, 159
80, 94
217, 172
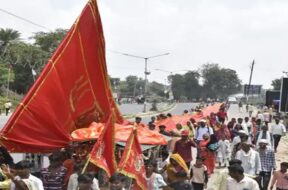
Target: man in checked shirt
267, 158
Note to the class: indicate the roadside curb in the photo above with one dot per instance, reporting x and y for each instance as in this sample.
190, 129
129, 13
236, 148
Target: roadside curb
151, 113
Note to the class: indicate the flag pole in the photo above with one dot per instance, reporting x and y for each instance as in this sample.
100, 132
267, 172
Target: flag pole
86, 164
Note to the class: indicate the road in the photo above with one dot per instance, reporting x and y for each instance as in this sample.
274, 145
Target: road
128, 109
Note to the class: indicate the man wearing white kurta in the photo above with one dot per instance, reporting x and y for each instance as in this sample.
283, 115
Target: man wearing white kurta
250, 160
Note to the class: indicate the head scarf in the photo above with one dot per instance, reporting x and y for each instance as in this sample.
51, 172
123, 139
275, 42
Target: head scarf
180, 161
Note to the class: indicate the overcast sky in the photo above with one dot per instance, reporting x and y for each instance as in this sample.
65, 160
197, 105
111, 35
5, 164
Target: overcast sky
229, 32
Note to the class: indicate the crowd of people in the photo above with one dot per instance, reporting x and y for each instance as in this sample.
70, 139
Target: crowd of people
244, 149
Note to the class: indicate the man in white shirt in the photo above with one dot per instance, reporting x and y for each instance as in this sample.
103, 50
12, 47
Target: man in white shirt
238, 181
203, 129
23, 178
247, 126
277, 130
250, 160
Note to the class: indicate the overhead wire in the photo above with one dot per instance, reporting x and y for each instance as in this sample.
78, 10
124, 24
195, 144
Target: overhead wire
24, 19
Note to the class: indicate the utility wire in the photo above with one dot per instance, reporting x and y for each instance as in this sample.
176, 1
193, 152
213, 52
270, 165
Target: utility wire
24, 19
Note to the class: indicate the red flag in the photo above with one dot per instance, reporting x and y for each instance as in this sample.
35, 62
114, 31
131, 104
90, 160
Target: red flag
72, 91
132, 164
103, 152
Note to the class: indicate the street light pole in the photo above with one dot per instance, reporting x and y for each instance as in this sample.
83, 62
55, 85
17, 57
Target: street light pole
146, 72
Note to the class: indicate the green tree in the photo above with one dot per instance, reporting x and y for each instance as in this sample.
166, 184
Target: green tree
6, 37
219, 82
192, 87
49, 41
157, 88
276, 84
177, 86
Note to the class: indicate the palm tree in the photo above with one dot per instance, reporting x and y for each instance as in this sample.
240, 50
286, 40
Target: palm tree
7, 36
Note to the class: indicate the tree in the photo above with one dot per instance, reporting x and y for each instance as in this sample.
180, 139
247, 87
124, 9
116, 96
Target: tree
177, 86
192, 87
23, 58
276, 84
219, 82
157, 88
7, 36
49, 41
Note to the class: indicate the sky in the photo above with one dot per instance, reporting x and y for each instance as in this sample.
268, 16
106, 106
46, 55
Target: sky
231, 33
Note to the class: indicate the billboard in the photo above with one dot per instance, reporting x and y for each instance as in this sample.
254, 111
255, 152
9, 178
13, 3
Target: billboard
252, 89
272, 98
284, 95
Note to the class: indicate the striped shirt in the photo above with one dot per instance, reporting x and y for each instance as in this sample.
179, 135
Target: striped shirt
53, 180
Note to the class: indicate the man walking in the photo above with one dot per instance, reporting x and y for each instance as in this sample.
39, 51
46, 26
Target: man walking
267, 158
250, 160
278, 130
265, 134
183, 147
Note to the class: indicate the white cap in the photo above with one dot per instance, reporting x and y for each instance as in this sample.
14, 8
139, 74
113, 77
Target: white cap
203, 120
242, 131
263, 141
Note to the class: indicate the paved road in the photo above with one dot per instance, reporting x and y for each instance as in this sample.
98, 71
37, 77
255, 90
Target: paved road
128, 109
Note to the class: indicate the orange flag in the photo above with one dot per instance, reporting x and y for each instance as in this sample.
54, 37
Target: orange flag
72, 91
132, 164
103, 152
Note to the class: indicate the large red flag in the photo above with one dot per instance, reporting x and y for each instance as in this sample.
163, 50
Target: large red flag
132, 164
103, 152
72, 91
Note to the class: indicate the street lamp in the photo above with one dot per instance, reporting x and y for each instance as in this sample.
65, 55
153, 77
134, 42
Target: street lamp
146, 72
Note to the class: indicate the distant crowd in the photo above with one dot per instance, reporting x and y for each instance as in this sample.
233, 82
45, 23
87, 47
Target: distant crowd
242, 148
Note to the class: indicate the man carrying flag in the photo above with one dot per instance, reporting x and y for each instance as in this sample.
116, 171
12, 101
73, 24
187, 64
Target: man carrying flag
103, 152
132, 164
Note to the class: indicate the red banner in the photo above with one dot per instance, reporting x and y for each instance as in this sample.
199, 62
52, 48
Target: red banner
72, 91
132, 164
103, 152
122, 133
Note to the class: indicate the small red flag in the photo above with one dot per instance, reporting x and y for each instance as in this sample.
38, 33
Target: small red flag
132, 164
103, 152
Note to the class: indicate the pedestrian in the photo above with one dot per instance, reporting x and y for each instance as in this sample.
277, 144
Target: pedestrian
266, 116
260, 116
183, 147
163, 131
22, 178
220, 180
202, 129
250, 110
53, 176
117, 182
151, 126
176, 135
238, 181
268, 164
222, 114
223, 151
138, 122
240, 106
154, 180
73, 180
177, 169
190, 128
278, 130
247, 126
208, 154
280, 177
85, 182
250, 160
199, 175
265, 134
7, 106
